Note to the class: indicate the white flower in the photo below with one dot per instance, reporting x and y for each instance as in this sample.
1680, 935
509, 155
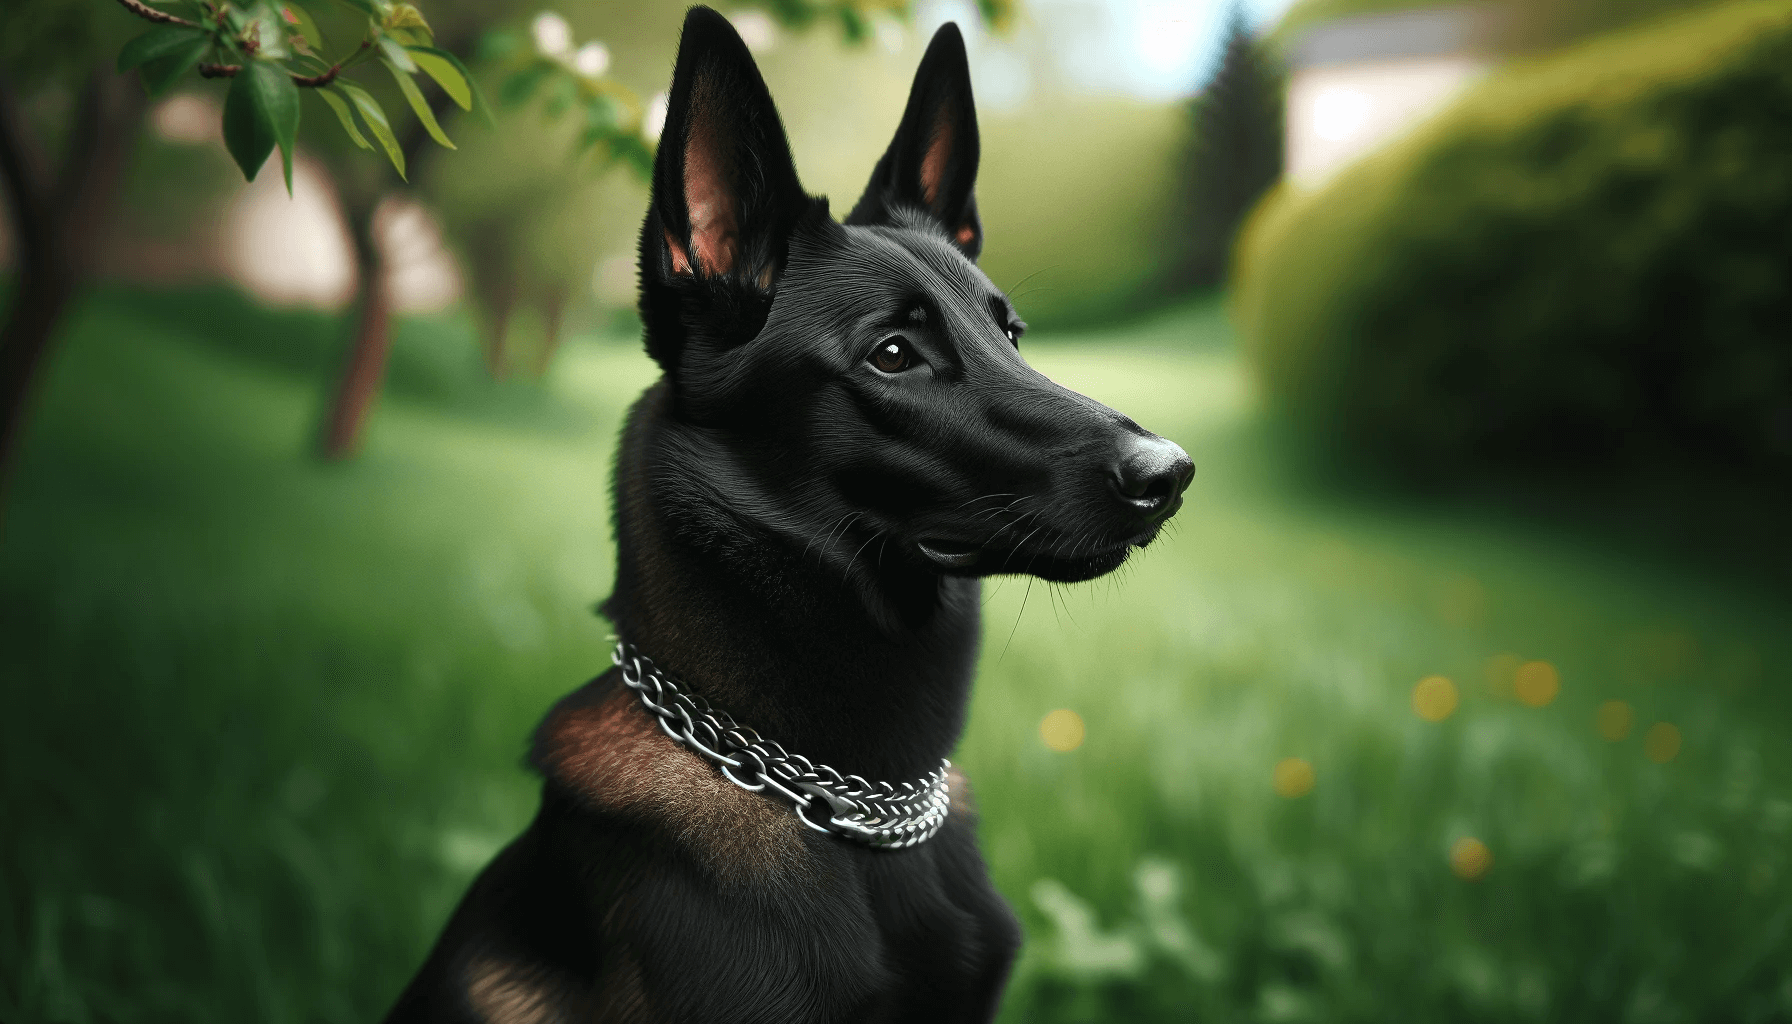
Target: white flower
592, 60
553, 36
654, 121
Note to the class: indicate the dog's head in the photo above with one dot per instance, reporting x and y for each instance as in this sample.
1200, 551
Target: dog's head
858, 388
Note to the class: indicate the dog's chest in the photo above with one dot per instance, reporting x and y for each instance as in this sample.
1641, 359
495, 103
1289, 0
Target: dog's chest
754, 917
853, 935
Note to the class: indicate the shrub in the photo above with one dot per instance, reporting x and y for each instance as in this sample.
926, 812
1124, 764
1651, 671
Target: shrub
1586, 261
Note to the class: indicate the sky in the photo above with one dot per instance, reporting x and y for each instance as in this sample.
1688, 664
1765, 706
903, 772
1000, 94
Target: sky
1152, 49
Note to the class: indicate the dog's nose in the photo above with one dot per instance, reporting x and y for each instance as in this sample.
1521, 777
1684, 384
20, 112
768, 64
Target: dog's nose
1152, 473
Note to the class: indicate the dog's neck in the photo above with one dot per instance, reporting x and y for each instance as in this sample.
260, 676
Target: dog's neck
868, 673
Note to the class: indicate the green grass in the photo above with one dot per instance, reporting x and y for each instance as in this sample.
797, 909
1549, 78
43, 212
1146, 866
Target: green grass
264, 718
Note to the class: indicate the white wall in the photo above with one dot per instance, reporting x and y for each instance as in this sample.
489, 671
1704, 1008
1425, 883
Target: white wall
1341, 112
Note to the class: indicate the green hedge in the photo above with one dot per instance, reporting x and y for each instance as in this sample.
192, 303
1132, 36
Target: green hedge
1587, 261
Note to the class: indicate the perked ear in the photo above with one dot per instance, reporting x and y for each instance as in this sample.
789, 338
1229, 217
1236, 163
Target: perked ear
931, 165
725, 191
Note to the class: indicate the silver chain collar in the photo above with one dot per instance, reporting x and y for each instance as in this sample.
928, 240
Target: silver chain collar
878, 814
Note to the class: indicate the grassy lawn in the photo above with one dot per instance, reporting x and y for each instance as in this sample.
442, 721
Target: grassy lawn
264, 718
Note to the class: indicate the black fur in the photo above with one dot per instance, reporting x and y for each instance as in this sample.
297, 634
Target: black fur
801, 536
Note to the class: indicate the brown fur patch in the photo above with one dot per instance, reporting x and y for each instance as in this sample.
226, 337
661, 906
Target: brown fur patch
965, 234
508, 993
615, 757
958, 793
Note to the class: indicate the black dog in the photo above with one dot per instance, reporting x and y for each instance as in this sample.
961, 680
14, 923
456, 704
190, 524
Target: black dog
844, 440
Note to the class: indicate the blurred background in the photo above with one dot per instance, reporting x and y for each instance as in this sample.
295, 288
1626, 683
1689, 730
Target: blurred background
1457, 693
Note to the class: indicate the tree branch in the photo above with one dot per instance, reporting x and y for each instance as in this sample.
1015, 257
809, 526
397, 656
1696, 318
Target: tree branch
27, 173
109, 118
148, 13
317, 81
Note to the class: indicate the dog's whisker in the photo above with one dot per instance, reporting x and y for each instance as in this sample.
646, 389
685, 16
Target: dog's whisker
862, 547
828, 541
984, 497
1004, 509
1017, 617
1011, 288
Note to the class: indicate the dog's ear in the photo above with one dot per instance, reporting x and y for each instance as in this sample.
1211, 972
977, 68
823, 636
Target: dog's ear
725, 196
931, 165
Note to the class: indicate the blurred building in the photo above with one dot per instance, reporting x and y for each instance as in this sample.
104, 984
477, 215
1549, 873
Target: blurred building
1358, 83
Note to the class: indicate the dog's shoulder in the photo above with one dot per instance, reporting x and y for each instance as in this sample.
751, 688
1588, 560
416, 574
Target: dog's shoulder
603, 748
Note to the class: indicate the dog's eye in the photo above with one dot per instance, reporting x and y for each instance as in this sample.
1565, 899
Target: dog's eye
893, 355
1013, 333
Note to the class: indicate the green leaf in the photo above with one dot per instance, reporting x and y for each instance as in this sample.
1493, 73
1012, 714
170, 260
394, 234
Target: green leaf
261, 111
480, 103
163, 73
268, 28
403, 15
277, 98
376, 122
396, 53
446, 75
306, 26
852, 26
564, 91
160, 42
633, 151
602, 113
419, 105
247, 134
518, 88
364, 6
340, 106
498, 45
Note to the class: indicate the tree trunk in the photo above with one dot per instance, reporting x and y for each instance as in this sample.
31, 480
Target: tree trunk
364, 369
553, 324
500, 302
37, 307
58, 219
495, 283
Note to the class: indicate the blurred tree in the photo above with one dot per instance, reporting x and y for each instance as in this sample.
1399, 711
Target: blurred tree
1235, 154
526, 225
269, 52
62, 163
361, 189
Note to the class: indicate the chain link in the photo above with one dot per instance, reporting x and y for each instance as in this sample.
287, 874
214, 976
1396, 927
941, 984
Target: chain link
878, 814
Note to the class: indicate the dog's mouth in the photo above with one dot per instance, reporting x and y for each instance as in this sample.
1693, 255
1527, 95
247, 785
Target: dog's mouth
1051, 561
950, 554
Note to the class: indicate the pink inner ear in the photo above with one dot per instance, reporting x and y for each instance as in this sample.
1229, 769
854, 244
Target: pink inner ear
681, 260
715, 220
933, 163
